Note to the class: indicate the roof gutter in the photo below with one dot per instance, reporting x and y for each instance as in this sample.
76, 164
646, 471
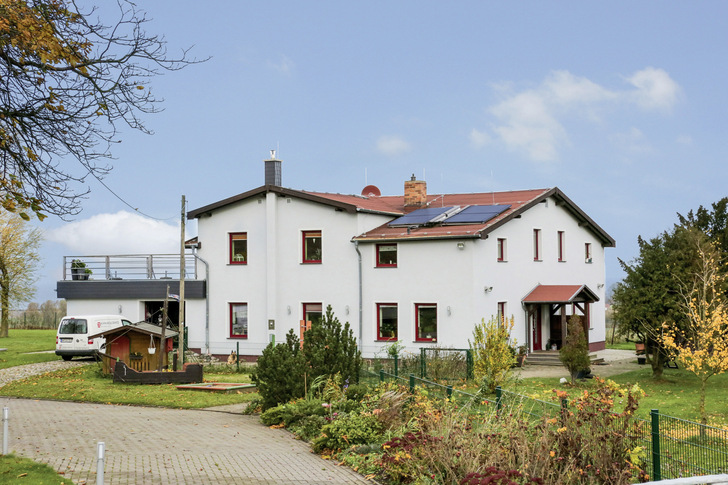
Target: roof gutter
207, 300
356, 247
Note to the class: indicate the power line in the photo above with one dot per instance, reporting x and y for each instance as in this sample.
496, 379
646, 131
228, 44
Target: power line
126, 203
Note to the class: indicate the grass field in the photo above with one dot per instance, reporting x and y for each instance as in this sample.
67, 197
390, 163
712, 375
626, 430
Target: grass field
14, 470
676, 394
86, 384
22, 342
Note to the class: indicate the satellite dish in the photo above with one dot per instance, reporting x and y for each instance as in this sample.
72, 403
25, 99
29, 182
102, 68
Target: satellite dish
371, 191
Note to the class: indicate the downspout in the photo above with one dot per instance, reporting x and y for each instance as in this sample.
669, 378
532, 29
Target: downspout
356, 246
207, 301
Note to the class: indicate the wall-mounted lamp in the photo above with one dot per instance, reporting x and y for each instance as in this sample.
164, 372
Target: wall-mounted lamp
600, 285
488, 289
461, 245
449, 311
346, 309
288, 308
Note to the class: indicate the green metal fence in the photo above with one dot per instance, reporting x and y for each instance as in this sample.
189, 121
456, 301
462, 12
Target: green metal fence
433, 363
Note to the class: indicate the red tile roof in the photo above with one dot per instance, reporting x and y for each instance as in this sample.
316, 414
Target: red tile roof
560, 294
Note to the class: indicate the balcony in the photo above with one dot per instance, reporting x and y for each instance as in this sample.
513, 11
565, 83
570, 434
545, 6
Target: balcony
128, 267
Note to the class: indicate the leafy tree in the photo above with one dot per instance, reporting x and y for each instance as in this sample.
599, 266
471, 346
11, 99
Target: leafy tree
713, 223
279, 373
648, 296
68, 83
702, 345
493, 357
575, 352
330, 348
18, 261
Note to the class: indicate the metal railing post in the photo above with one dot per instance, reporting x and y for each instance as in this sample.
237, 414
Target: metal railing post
100, 463
423, 364
412, 383
237, 354
6, 418
396, 365
656, 472
449, 392
468, 364
498, 400
108, 267
381, 375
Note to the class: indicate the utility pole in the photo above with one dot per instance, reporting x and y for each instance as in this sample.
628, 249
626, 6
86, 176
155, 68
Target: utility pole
162, 339
181, 347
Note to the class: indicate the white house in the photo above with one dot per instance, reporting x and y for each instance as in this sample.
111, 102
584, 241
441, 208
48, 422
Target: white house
420, 268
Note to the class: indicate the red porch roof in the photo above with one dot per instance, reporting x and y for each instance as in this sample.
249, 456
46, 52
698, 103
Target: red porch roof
560, 294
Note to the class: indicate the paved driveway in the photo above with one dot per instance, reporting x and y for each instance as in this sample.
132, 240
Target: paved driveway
163, 446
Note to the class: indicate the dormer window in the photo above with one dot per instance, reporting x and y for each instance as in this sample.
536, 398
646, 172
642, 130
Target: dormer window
386, 255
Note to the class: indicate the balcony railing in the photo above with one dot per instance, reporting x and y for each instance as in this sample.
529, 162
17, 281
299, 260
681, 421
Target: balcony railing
128, 267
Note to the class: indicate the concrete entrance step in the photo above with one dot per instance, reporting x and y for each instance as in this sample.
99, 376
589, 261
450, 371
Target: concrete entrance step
551, 357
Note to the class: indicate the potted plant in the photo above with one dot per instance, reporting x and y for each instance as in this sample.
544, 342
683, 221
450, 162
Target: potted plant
79, 271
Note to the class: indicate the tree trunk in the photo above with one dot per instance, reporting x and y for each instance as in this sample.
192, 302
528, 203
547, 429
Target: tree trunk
5, 307
658, 364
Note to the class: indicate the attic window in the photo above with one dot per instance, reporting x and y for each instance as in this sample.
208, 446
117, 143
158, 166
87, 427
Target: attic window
386, 255
238, 248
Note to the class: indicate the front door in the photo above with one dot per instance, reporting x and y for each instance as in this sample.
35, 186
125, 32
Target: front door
537, 331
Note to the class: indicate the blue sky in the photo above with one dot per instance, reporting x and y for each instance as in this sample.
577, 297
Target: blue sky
622, 105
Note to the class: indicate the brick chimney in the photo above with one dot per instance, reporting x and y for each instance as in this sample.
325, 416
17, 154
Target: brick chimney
415, 193
273, 170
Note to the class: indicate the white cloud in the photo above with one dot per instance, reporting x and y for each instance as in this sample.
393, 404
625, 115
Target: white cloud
633, 141
119, 233
527, 124
392, 145
655, 89
533, 120
479, 138
284, 66
685, 140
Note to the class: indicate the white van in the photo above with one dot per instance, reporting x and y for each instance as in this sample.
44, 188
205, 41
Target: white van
73, 332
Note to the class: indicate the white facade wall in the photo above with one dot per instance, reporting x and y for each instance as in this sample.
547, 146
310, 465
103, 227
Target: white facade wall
275, 283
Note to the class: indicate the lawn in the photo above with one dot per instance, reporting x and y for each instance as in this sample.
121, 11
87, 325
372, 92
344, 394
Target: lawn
15, 470
86, 384
21, 342
676, 394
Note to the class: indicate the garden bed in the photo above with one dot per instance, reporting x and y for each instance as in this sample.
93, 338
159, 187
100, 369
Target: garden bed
222, 387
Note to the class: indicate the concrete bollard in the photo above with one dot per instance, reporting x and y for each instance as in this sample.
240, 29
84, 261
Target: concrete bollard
100, 463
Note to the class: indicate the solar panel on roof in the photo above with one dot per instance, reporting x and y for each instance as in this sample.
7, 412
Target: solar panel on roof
476, 214
419, 216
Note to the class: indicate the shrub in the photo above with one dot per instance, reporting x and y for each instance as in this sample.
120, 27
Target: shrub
493, 357
279, 373
348, 430
575, 353
356, 392
309, 427
292, 412
329, 348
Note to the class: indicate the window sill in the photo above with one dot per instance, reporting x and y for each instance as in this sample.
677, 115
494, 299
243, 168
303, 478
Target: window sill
538, 260
311, 262
388, 339
237, 264
238, 337
502, 261
386, 266
421, 340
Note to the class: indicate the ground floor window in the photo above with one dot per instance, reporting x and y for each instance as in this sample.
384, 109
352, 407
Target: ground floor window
426, 322
238, 320
386, 321
313, 312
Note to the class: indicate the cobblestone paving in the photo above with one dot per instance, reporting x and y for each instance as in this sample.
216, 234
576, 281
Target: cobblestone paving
22, 371
163, 446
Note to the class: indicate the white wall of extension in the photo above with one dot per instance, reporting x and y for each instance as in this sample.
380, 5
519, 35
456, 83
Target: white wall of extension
275, 283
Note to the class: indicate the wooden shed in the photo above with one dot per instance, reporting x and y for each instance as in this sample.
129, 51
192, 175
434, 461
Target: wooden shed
137, 345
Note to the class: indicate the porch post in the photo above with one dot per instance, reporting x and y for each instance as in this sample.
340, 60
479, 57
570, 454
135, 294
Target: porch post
563, 324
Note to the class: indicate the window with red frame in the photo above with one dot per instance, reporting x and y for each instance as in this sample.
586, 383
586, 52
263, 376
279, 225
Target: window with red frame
560, 237
238, 320
238, 248
501, 312
501, 249
386, 321
587, 253
537, 244
311, 246
313, 312
426, 322
386, 255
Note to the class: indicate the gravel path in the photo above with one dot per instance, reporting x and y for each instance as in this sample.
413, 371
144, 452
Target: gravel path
22, 371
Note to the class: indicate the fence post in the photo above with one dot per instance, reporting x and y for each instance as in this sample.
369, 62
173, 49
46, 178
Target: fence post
6, 418
656, 472
564, 409
498, 403
100, 464
412, 383
468, 364
381, 375
237, 354
449, 392
423, 364
396, 365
